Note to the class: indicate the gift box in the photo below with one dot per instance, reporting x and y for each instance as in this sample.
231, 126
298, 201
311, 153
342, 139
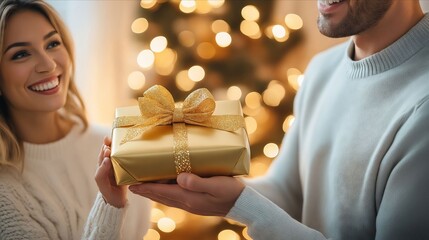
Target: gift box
159, 138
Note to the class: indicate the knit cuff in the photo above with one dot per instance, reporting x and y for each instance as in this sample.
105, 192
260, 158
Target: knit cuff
105, 221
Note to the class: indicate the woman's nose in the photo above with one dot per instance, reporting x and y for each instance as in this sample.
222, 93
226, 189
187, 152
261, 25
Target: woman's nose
46, 63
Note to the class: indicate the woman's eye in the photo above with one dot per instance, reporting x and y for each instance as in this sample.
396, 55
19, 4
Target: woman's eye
53, 44
19, 55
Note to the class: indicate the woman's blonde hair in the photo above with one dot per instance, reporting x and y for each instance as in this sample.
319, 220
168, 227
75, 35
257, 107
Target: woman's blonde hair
11, 152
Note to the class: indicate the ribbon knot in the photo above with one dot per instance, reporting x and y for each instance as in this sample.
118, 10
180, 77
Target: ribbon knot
157, 107
178, 115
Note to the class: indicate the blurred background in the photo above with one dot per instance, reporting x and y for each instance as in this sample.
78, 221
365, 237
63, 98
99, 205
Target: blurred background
252, 51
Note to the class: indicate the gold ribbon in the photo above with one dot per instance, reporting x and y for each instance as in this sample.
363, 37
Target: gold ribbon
157, 107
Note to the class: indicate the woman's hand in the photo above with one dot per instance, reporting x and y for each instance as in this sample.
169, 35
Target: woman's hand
113, 194
213, 196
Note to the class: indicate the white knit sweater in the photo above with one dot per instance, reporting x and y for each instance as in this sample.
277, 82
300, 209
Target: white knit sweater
54, 195
355, 164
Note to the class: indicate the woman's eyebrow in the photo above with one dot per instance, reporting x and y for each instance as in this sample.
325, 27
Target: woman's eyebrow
20, 44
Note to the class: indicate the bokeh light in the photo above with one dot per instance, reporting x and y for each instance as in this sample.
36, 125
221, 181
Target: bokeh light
271, 150
139, 25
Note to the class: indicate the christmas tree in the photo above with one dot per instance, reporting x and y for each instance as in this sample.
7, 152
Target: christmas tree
232, 48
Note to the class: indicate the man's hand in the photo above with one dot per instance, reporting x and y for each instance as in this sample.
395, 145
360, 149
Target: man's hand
213, 196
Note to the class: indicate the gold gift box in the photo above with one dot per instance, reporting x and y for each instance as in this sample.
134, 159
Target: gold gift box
213, 152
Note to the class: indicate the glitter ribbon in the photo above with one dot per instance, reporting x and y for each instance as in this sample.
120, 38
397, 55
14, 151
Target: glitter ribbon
157, 107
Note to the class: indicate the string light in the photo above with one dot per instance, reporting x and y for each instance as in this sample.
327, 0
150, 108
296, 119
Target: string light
253, 100
220, 26
294, 78
234, 93
223, 39
152, 234
228, 234
158, 44
136, 80
187, 6
165, 61
187, 38
293, 21
166, 224
250, 13
183, 82
271, 150
216, 3
274, 93
147, 4
139, 25
146, 59
287, 123
206, 50
196, 73
251, 124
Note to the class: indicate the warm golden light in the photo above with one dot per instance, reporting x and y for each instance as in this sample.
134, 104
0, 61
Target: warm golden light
293, 21
228, 234
136, 80
178, 215
220, 26
269, 32
158, 44
156, 214
251, 124
274, 94
183, 82
196, 73
216, 3
145, 59
147, 4
187, 38
287, 123
294, 78
203, 7
280, 33
253, 100
234, 93
166, 224
165, 62
271, 150
223, 39
259, 167
152, 234
250, 13
187, 6
139, 25
250, 29
206, 50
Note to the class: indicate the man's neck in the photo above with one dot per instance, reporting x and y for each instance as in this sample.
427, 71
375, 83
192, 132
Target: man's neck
399, 19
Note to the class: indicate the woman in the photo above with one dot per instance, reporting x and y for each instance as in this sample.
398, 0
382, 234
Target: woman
47, 148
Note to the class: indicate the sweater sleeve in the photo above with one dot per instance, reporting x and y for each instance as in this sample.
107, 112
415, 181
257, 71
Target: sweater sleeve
403, 211
104, 221
265, 220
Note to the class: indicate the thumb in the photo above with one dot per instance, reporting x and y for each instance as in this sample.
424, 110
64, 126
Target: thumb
195, 183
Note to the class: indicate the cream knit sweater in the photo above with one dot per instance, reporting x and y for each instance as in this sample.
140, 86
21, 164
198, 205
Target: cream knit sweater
54, 195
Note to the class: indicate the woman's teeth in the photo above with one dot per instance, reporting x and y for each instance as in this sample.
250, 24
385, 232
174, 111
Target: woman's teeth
329, 2
45, 86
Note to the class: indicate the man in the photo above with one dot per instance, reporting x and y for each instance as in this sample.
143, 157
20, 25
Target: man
355, 163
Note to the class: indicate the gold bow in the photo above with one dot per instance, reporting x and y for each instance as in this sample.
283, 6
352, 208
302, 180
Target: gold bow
157, 107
